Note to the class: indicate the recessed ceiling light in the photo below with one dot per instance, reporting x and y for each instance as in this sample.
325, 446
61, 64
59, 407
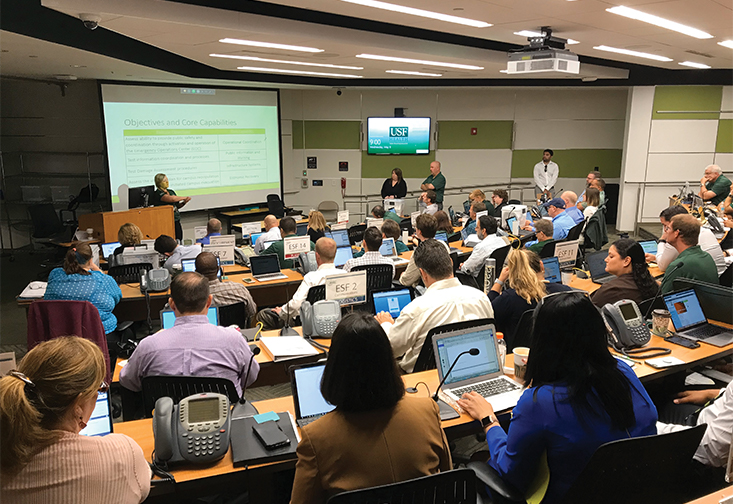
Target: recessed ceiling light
269, 45
529, 33
632, 53
658, 21
504, 71
407, 72
266, 60
299, 72
726, 43
694, 65
419, 62
420, 12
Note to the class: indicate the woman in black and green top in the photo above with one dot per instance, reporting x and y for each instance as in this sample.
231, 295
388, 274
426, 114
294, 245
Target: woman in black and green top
165, 196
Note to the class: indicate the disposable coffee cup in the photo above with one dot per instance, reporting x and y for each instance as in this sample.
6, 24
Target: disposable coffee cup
566, 277
521, 354
660, 322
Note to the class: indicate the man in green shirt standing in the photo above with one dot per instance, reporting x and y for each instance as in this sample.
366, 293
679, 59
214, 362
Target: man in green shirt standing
692, 262
714, 186
436, 182
288, 227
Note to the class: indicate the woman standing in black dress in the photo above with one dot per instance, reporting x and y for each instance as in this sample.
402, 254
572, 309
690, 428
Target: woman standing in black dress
394, 187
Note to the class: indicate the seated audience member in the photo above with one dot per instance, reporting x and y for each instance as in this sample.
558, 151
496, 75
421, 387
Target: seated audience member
428, 197
475, 196
561, 220
129, 235
287, 228
626, 261
372, 242
569, 410
592, 202
193, 346
271, 234
714, 186
391, 229
43, 407
728, 216
600, 184
543, 232
582, 201
486, 232
470, 226
666, 253
325, 254
444, 302
443, 222
519, 288
224, 293
375, 436
175, 253
499, 198
378, 212
317, 226
693, 262
81, 280
571, 199
425, 226
213, 228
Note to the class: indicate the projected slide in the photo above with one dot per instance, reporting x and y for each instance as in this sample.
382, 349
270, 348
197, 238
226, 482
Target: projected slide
398, 135
221, 147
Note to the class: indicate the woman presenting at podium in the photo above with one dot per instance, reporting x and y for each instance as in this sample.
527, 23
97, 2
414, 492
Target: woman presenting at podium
165, 196
394, 187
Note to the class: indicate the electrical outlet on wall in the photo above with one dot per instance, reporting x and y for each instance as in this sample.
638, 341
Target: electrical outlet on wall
304, 183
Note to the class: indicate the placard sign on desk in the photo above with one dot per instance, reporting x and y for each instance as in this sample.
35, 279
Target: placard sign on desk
377, 223
340, 225
223, 248
249, 228
413, 217
347, 289
296, 245
566, 253
343, 216
199, 232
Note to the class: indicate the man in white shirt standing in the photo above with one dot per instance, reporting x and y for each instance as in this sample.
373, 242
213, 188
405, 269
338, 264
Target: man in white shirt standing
445, 301
545, 176
325, 254
272, 233
486, 231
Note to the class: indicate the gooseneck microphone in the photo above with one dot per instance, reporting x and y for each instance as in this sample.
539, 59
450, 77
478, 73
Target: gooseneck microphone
659, 291
473, 351
255, 351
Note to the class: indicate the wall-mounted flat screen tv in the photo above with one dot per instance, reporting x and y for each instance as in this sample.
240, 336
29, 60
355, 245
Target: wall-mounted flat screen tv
398, 135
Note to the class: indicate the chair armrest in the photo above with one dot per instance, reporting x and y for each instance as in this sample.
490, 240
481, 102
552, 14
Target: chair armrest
489, 477
121, 326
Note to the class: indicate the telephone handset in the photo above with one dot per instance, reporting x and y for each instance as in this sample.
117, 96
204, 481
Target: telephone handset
320, 319
625, 325
194, 430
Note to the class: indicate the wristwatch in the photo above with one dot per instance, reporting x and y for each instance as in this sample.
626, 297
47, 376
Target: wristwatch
488, 420
497, 281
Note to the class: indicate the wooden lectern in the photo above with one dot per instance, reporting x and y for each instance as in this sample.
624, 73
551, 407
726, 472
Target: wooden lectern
152, 221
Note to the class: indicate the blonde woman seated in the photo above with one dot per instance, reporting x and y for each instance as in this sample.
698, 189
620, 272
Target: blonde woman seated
129, 235
43, 407
317, 226
519, 288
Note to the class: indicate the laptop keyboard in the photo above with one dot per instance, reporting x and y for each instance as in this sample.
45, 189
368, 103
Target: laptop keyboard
305, 421
488, 388
705, 331
271, 276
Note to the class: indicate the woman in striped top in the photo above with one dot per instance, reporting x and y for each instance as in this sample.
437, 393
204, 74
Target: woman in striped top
43, 407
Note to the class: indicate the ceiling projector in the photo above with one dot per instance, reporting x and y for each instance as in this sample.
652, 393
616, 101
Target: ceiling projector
544, 53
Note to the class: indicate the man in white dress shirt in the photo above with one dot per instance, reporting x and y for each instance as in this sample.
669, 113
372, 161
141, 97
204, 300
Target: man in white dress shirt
545, 176
445, 301
486, 231
272, 233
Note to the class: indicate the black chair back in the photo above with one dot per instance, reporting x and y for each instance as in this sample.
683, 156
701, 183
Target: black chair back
180, 387
454, 237
548, 250
726, 279
128, 273
644, 306
467, 279
356, 233
275, 205
448, 487
233, 314
316, 293
426, 357
406, 225
500, 255
575, 231
379, 276
522, 336
727, 241
460, 257
514, 202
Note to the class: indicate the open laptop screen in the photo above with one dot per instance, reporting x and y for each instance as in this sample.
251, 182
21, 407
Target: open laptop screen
109, 248
264, 264
650, 247
468, 366
597, 263
100, 423
343, 254
552, 269
307, 391
392, 301
302, 229
168, 317
254, 237
441, 236
685, 309
341, 237
387, 248
188, 265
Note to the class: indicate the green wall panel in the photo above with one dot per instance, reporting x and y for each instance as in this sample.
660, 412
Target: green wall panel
725, 136
489, 135
702, 98
381, 166
297, 134
332, 134
573, 163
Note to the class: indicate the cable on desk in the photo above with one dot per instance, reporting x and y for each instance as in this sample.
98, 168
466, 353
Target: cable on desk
159, 471
259, 330
317, 345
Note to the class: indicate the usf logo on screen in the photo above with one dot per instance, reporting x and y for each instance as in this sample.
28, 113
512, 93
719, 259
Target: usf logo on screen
399, 131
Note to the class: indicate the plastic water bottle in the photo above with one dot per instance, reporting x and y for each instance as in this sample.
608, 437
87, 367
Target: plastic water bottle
489, 274
502, 348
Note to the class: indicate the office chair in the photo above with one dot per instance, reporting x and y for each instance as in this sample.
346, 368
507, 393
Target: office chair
316, 293
128, 273
454, 237
233, 314
329, 209
633, 471
379, 276
499, 255
406, 225
356, 233
513, 202
180, 387
47, 226
426, 357
448, 487
275, 206
460, 257
658, 304
575, 231
468, 279
727, 241
522, 333
726, 279
548, 250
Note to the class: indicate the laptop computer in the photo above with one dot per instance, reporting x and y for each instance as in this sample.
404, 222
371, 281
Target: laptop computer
552, 269
109, 248
254, 237
340, 236
483, 373
100, 423
391, 301
188, 265
443, 236
265, 268
389, 249
302, 229
597, 266
690, 321
168, 317
305, 383
650, 247
343, 254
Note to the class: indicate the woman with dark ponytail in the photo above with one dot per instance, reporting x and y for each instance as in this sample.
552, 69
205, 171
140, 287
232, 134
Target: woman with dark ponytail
44, 405
626, 260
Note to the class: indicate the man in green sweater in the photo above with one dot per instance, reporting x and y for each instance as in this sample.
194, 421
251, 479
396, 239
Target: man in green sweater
288, 227
714, 186
543, 231
380, 213
435, 182
692, 262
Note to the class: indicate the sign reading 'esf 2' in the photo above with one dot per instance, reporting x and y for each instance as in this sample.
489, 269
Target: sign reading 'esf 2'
398, 135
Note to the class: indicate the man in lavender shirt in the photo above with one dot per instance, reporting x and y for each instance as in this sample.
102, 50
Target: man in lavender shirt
193, 346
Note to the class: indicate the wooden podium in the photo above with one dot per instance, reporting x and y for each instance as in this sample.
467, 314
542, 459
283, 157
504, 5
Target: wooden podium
152, 221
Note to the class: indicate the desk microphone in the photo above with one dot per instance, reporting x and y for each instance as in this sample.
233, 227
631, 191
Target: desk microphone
659, 291
473, 351
255, 351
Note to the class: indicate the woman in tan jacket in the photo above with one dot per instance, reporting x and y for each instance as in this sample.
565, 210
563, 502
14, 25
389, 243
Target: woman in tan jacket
376, 435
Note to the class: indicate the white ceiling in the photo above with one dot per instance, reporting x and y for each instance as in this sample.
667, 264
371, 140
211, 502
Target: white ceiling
194, 32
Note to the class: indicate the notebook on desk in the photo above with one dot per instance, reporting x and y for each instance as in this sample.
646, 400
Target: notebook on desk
248, 450
100, 423
690, 321
305, 384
